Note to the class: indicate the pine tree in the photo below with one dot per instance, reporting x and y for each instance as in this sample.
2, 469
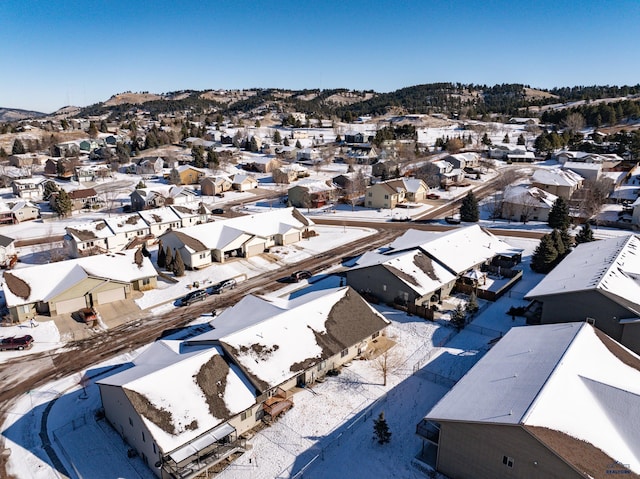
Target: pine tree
381, 429
168, 259
459, 317
486, 140
469, 208
472, 305
174, 177
178, 264
506, 138
521, 140
277, 138
559, 215
18, 147
559, 244
286, 141
162, 257
63, 204
544, 256
298, 145
585, 235
50, 187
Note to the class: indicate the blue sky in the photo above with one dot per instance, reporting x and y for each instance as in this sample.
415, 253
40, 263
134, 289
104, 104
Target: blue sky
79, 52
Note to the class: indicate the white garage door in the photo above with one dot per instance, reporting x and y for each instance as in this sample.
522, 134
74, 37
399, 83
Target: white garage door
70, 305
105, 297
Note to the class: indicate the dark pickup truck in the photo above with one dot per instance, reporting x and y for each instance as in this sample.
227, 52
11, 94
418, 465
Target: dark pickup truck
19, 343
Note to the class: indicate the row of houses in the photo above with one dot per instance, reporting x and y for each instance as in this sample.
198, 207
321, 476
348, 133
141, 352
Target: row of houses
229, 380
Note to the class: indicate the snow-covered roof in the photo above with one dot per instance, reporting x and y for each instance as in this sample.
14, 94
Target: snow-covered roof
120, 266
611, 266
459, 250
125, 223
411, 185
568, 378
314, 186
218, 234
581, 165
241, 178
556, 177
296, 334
529, 195
159, 215
414, 268
178, 380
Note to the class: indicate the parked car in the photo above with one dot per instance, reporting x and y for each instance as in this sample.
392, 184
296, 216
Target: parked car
452, 220
217, 211
19, 343
433, 196
88, 315
194, 297
298, 275
223, 286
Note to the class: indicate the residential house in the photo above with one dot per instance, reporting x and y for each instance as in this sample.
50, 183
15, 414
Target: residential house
308, 156
590, 171
30, 189
312, 194
190, 175
385, 168
526, 203
463, 160
214, 185
261, 163
10, 173
27, 160
383, 195
243, 236
150, 165
161, 220
415, 189
90, 173
549, 401
66, 149
501, 151
353, 136
445, 173
8, 254
597, 282
13, 212
242, 182
253, 380
287, 174
287, 153
88, 145
84, 198
62, 168
145, 198
79, 283
351, 184
111, 234
559, 182
421, 267
364, 154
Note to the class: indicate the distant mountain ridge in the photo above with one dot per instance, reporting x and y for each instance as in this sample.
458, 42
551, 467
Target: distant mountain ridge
16, 114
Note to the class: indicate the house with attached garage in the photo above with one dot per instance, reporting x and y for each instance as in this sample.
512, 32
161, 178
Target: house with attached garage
420, 268
30, 189
243, 236
242, 182
597, 282
228, 381
312, 194
214, 185
557, 181
551, 401
79, 283
526, 203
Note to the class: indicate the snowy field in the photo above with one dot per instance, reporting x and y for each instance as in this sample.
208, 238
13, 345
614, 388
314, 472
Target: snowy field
327, 434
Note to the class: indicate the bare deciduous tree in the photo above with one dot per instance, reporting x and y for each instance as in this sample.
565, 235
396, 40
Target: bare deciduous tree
574, 122
387, 362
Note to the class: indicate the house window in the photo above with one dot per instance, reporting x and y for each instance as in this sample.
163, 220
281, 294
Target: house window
146, 281
344, 352
507, 461
245, 414
370, 194
24, 308
386, 197
322, 365
375, 335
130, 422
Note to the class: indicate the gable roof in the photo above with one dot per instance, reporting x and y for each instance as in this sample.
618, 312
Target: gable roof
610, 266
299, 333
529, 195
556, 177
205, 392
562, 377
459, 249
414, 268
117, 267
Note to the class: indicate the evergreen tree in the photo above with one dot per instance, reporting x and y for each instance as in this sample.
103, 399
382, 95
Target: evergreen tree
18, 147
559, 215
469, 208
381, 429
506, 138
178, 264
285, 142
544, 256
559, 244
197, 152
50, 187
174, 177
585, 235
212, 158
277, 138
298, 145
161, 256
93, 130
521, 140
141, 185
338, 139
103, 127
472, 305
486, 140
459, 317
253, 144
168, 259
62, 204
